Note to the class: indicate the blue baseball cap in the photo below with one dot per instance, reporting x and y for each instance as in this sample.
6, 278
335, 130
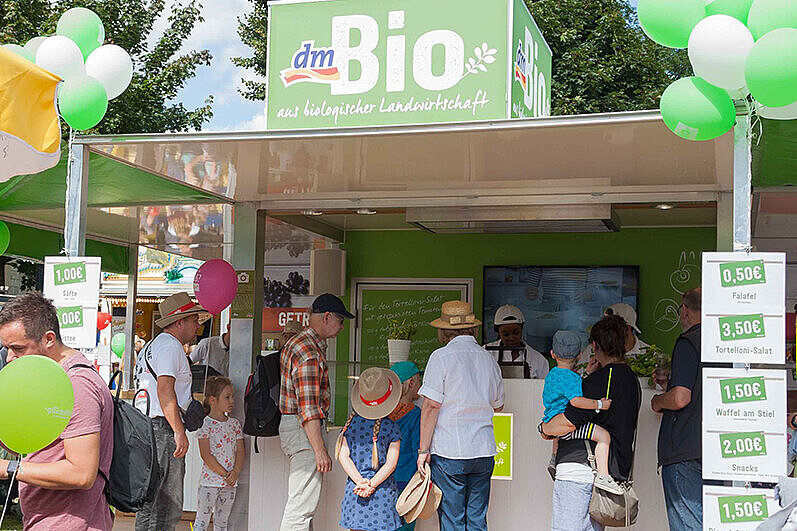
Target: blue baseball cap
566, 344
405, 370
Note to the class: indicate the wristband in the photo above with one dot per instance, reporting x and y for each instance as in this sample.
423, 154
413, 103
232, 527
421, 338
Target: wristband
422, 452
600, 406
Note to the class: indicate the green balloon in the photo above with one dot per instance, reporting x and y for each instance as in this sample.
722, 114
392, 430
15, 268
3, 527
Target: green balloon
669, 22
84, 27
694, 109
36, 400
771, 68
5, 237
19, 50
118, 344
737, 9
767, 15
82, 101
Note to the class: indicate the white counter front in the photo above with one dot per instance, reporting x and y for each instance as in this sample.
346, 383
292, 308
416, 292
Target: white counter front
520, 504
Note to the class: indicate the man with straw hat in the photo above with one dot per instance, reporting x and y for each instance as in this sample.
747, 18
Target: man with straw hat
163, 371
462, 388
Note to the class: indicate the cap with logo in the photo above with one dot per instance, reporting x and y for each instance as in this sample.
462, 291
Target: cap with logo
331, 303
405, 370
508, 314
626, 312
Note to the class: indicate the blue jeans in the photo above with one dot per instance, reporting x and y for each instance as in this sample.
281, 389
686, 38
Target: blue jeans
571, 507
683, 494
465, 484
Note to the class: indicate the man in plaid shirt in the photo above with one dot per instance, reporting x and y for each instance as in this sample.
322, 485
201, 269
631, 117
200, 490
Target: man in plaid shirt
304, 404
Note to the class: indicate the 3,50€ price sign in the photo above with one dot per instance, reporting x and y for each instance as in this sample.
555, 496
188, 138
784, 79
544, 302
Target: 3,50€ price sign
735, 327
736, 508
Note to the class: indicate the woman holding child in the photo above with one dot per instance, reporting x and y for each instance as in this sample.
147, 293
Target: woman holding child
608, 377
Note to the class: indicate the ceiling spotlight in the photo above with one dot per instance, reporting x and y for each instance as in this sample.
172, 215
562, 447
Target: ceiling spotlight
366, 211
312, 212
664, 206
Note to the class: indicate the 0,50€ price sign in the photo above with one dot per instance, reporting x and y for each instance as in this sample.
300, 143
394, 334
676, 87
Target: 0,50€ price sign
742, 273
735, 327
742, 444
743, 508
734, 390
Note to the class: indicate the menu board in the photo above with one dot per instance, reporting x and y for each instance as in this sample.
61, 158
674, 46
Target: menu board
744, 431
743, 308
73, 284
736, 508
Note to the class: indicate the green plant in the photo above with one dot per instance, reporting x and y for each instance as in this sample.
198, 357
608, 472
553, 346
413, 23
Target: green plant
401, 329
652, 357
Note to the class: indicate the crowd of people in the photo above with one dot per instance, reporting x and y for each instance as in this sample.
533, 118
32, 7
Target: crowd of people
389, 444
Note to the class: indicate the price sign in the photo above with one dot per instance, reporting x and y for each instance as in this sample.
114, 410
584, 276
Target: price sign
736, 508
742, 444
734, 390
69, 273
70, 316
744, 273
736, 327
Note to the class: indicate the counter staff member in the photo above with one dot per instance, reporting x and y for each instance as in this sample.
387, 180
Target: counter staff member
508, 323
214, 351
633, 345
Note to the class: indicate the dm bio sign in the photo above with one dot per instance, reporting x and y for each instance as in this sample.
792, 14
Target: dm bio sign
339, 63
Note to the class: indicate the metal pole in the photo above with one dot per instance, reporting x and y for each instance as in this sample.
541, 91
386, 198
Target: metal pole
742, 187
75, 202
130, 315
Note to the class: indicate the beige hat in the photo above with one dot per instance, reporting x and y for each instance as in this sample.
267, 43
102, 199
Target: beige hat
292, 327
626, 312
509, 314
456, 315
420, 498
176, 307
376, 393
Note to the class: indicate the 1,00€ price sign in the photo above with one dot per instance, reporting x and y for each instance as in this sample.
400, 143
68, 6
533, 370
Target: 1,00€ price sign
743, 389
736, 327
742, 273
743, 508
746, 444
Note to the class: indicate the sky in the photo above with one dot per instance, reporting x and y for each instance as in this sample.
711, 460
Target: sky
218, 33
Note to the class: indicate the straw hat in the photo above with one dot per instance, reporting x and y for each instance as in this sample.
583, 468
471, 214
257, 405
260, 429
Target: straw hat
176, 307
292, 327
420, 498
376, 393
456, 315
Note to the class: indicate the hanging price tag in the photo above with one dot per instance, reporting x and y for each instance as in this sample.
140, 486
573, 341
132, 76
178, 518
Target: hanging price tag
742, 444
742, 273
73, 284
736, 327
736, 508
734, 390
742, 508
70, 316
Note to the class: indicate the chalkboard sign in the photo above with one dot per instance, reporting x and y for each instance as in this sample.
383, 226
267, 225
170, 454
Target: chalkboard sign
417, 302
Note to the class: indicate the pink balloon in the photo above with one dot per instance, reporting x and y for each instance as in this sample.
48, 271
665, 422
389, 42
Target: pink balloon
215, 285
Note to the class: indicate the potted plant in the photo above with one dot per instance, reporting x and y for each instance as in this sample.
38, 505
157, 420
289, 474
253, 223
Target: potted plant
650, 359
399, 335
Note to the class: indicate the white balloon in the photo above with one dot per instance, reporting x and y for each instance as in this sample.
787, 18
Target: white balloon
33, 44
718, 49
738, 94
787, 112
110, 65
61, 56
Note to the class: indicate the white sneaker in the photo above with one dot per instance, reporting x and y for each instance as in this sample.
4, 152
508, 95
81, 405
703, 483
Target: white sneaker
608, 484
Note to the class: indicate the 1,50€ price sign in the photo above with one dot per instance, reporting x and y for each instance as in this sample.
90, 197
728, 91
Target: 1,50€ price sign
734, 390
743, 508
736, 508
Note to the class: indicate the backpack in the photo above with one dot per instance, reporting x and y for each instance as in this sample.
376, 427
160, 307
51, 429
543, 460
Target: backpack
134, 473
261, 412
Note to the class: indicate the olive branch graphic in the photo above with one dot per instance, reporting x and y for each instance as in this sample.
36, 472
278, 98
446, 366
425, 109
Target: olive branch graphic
484, 54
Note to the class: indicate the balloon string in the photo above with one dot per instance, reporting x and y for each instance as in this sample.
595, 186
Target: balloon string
69, 159
8, 496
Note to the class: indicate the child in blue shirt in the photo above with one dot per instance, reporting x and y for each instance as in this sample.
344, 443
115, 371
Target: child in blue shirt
563, 387
408, 418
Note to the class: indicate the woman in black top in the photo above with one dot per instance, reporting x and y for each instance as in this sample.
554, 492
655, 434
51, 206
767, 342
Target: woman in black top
609, 377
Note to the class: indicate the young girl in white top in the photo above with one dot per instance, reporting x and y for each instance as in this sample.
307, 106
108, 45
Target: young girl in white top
221, 446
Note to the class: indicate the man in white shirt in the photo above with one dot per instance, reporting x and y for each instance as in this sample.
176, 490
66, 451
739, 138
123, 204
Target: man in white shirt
633, 345
215, 352
462, 389
508, 323
163, 371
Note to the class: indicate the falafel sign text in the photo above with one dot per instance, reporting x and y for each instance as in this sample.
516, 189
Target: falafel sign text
73, 284
339, 63
744, 300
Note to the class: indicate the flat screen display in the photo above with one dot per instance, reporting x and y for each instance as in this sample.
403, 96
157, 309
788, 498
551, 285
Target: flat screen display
556, 298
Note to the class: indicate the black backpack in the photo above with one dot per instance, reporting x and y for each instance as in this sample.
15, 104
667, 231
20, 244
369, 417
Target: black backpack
134, 474
261, 412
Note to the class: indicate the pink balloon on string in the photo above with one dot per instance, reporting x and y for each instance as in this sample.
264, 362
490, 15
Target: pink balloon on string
215, 285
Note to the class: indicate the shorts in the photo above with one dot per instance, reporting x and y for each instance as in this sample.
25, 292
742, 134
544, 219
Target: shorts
582, 432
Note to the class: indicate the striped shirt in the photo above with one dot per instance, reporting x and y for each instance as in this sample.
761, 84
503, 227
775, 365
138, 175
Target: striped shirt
304, 382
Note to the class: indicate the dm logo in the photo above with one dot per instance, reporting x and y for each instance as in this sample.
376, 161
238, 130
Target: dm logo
311, 64
520, 67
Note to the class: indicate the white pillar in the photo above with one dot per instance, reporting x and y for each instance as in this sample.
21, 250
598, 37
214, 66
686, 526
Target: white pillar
75, 203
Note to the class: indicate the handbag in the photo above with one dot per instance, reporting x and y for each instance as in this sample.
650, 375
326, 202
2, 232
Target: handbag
608, 508
194, 415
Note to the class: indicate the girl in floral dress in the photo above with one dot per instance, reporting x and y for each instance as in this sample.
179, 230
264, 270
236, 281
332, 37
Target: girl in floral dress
221, 446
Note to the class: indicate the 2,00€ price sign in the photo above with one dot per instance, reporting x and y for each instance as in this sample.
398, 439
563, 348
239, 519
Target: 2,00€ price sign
743, 508
742, 273
743, 444
749, 389
736, 327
